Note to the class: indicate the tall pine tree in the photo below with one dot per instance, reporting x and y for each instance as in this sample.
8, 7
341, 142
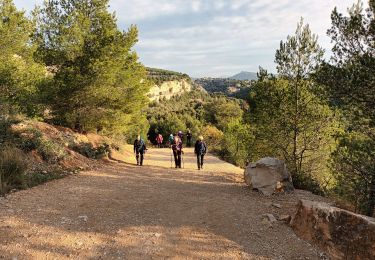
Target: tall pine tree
19, 74
349, 82
290, 121
98, 83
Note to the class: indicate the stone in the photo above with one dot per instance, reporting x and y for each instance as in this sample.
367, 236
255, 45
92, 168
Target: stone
276, 205
285, 218
271, 218
341, 233
269, 176
83, 218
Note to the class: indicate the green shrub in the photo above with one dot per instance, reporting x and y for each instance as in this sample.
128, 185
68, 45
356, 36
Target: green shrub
50, 151
305, 181
6, 134
213, 138
30, 139
88, 150
4, 130
12, 168
238, 143
37, 178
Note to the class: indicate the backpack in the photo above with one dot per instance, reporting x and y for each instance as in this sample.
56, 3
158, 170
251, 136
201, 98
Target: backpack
200, 148
139, 145
177, 146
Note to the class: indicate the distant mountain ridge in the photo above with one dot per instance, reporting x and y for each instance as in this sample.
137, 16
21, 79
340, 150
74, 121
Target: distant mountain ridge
245, 75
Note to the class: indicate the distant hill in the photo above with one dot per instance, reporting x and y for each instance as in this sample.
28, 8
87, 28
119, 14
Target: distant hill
245, 75
227, 86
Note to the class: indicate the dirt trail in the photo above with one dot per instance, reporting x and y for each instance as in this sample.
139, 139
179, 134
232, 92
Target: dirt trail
121, 211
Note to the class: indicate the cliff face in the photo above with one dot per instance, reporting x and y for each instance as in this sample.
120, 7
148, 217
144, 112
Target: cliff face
169, 89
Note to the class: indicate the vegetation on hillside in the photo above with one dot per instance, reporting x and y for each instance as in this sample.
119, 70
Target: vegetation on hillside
349, 83
159, 76
229, 87
192, 110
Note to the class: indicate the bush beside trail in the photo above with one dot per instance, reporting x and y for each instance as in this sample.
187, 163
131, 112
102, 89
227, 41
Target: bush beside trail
33, 152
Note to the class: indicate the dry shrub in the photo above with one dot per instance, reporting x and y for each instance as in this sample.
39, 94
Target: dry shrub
12, 168
213, 138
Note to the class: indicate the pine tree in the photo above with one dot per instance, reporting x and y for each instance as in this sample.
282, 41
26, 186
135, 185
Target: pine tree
19, 74
292, 122
98, 82
349, 82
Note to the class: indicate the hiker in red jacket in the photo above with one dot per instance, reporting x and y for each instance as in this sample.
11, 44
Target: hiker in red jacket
159, 140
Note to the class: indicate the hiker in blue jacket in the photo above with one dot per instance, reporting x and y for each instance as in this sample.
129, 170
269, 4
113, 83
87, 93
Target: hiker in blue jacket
200, 150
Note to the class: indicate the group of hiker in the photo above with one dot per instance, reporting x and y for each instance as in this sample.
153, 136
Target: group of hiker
175, 142
159, 139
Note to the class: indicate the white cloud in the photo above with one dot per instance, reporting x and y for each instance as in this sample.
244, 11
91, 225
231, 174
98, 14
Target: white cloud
196, 5
217, 37
219, 4
240, 41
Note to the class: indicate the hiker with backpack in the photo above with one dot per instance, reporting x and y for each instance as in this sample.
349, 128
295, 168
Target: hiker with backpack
159, 140
170, 139
177, 151
139, 150
200, 150
188, 138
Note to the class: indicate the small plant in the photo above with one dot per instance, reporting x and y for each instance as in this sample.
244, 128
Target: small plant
102, 150
50, 151
88, 150
6, 134
12, 168
30, 139
39, 177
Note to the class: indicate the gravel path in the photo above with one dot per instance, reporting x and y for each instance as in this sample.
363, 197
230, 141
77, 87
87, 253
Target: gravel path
121, 211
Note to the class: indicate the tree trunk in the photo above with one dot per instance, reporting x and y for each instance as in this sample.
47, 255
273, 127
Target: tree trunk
295, 128
371, 199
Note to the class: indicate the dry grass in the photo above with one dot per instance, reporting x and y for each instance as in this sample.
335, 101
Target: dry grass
12, 168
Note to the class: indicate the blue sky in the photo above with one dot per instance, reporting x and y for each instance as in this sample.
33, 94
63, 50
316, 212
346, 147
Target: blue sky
217, 37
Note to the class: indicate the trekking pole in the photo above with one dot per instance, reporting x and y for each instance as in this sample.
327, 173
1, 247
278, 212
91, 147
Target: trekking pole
183, 163
171, 159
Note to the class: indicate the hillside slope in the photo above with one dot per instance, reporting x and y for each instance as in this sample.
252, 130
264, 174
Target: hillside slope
51, 152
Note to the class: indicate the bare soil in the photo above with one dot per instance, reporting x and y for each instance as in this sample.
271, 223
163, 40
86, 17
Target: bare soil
121, 211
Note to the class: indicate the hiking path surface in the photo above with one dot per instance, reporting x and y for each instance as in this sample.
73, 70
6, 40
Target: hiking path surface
122, 211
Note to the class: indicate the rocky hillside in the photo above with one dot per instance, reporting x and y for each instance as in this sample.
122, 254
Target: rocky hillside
168, 84
169, 89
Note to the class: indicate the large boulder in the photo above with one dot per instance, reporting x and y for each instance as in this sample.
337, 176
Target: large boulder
269, 176
342, 234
